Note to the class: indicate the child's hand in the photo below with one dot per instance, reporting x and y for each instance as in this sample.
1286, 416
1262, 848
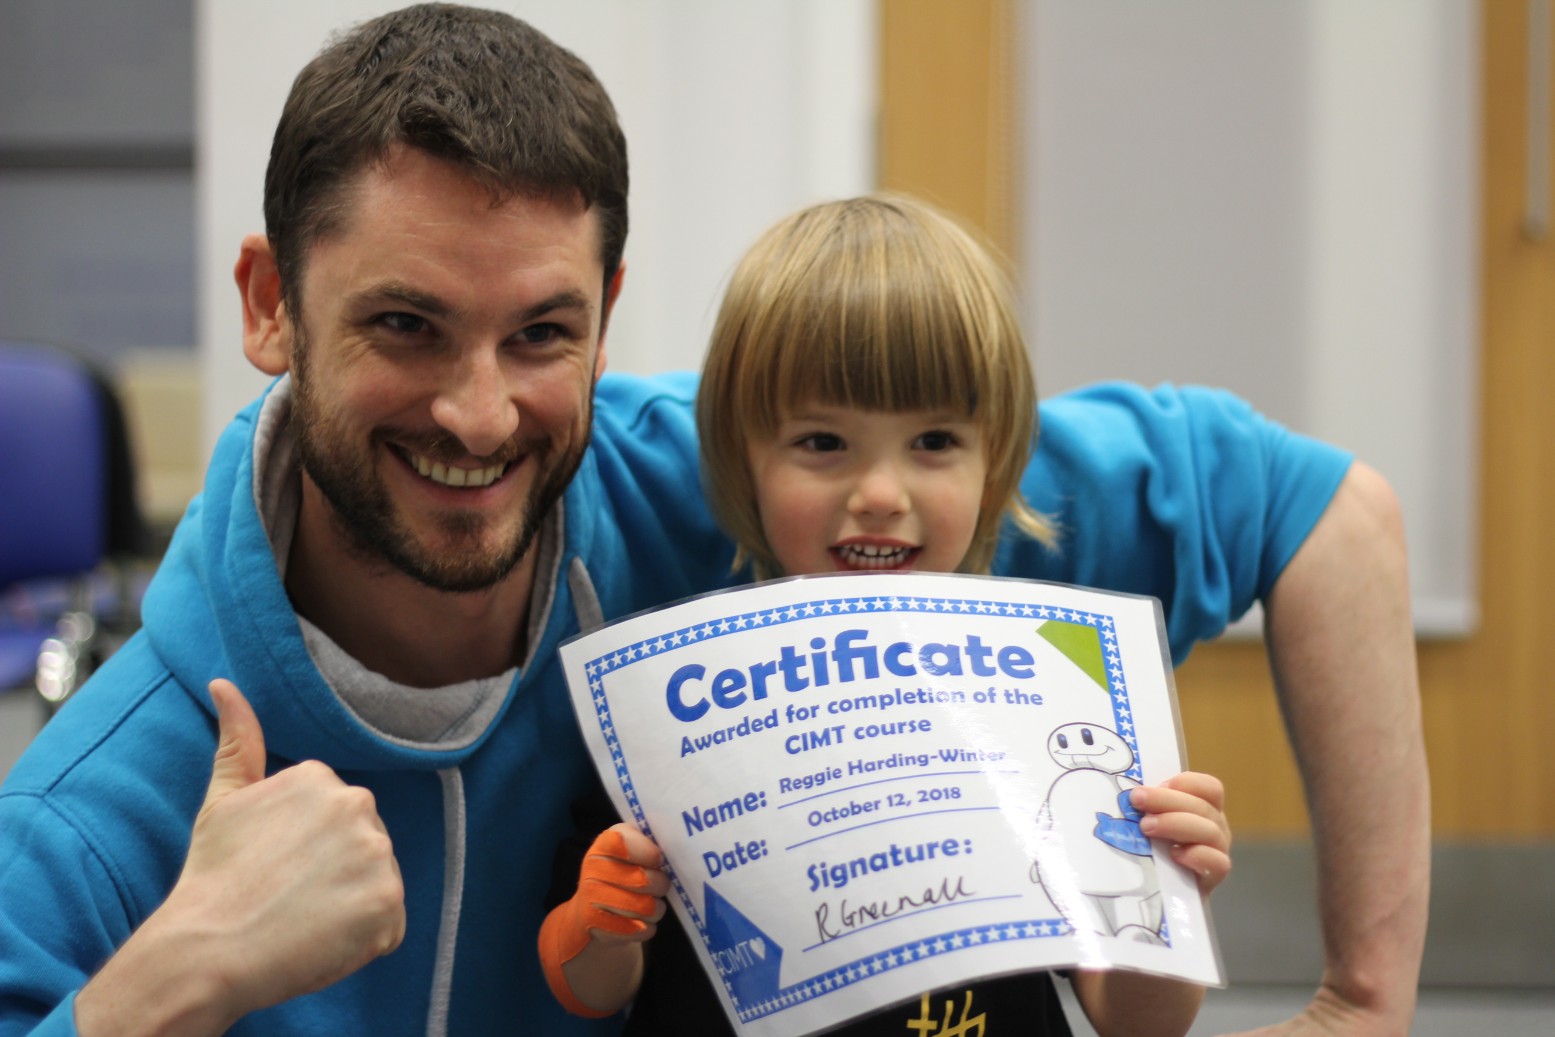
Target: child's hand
1187, 810
620, 899
621, 887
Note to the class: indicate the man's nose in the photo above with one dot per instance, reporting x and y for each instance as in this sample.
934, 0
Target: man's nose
475, 403
881, 491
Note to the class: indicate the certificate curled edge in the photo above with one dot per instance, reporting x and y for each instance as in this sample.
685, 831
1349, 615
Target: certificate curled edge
601, 668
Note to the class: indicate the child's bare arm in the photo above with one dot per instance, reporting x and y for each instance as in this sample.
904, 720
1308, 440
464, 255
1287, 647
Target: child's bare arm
1187, 812
591, 947
1133, 1004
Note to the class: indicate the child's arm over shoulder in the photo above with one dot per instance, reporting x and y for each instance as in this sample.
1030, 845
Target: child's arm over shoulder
1342, 650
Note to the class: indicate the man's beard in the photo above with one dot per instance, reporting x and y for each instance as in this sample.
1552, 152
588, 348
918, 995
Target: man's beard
365, 514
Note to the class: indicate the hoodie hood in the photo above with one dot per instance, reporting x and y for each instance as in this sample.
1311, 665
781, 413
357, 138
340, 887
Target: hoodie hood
632, 520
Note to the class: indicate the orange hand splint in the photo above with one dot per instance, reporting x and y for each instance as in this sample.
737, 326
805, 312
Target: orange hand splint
608, 883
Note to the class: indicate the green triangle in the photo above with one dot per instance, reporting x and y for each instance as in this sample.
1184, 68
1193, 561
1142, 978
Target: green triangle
1080, 644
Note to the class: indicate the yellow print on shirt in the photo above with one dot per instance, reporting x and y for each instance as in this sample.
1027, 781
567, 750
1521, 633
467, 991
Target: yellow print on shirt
968, 1026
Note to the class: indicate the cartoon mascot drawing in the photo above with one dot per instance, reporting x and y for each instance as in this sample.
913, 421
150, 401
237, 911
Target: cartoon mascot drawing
1097, 869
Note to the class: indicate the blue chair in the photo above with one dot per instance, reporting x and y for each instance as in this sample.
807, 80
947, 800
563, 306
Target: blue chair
66, 503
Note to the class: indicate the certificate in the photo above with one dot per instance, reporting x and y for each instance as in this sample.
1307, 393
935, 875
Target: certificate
868, 786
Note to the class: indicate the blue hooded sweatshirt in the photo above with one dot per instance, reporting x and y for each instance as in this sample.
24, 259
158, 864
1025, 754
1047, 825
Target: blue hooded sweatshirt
1185, 494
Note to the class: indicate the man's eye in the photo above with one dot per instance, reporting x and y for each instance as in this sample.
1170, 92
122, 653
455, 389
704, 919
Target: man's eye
542, 334
821, 442
404, 323
936, 440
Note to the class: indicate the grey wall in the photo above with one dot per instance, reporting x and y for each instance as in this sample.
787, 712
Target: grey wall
1282, 199
97, 242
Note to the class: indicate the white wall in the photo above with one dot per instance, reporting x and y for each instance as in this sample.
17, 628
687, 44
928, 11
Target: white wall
735, 113
1280, 198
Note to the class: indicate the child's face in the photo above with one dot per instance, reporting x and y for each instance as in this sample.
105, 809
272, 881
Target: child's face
842, 490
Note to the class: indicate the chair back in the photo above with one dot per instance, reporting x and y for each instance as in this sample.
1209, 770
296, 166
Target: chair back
54, 483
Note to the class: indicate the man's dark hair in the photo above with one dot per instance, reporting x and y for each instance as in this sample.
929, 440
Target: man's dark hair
477, 88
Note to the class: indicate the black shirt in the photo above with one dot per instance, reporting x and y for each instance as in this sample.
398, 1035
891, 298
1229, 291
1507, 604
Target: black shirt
678, 998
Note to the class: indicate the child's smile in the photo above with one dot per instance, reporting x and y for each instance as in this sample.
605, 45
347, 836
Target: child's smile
874, 555
843, 490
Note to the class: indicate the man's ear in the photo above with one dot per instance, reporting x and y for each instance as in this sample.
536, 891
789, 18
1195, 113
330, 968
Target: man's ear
612, 292
267, 328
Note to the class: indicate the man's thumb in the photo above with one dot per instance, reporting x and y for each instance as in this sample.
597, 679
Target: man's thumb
240, 748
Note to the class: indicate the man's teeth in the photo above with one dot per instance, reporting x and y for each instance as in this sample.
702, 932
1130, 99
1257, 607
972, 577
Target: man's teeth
448, 475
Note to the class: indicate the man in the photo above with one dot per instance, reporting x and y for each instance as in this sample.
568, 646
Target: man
393, 541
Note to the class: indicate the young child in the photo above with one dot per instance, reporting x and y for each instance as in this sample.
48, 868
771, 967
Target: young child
866, 404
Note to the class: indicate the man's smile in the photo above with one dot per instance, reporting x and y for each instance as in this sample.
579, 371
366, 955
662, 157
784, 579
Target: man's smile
452, 475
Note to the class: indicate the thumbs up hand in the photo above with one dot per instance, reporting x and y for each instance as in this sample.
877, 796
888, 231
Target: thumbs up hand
297, 867
290, 884
240, 745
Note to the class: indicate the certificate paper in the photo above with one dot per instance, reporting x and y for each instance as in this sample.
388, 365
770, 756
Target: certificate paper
868, 786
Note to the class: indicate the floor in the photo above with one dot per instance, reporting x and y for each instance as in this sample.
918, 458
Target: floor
1440, 1013
21, 715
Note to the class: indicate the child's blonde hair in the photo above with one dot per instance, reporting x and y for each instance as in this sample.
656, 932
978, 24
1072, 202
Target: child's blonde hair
880, 303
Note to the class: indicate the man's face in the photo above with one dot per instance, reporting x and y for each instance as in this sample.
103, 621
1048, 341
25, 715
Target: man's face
444, 364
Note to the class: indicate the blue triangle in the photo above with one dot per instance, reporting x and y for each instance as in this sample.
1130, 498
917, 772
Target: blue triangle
748, 959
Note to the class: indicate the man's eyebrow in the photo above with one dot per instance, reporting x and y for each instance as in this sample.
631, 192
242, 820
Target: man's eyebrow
566, 299
414, 298
405, 295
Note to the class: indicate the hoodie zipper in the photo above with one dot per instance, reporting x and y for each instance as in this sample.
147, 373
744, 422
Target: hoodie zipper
585, 603
453, 899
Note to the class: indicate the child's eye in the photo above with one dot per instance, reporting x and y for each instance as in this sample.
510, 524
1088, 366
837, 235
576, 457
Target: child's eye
821, 442
936, 440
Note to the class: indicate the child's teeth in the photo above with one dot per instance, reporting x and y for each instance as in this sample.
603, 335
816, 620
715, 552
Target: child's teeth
875, 553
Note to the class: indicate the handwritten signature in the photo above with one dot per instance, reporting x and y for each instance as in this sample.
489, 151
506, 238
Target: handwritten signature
856, 915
